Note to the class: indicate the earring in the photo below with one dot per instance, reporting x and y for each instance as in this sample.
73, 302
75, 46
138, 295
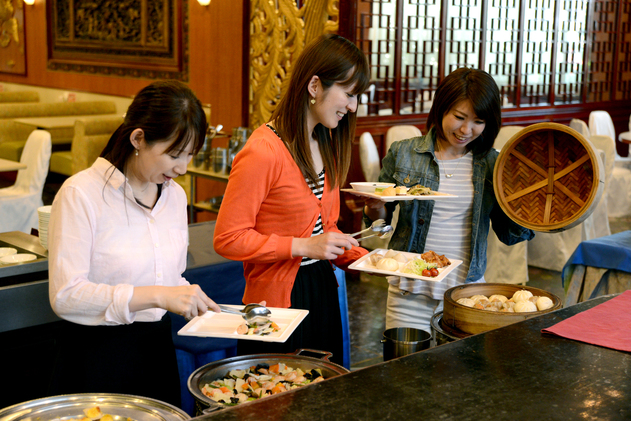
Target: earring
312, 101
136, 152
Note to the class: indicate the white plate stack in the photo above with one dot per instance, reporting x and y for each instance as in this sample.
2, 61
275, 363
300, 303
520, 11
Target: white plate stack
43, 214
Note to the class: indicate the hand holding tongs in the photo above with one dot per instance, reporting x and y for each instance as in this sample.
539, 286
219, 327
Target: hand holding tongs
379, 226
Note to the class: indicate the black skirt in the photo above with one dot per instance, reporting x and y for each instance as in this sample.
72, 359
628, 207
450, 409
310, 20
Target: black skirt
315, 289
136, 359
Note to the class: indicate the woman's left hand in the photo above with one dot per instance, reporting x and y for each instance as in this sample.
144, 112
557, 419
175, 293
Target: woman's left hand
327, 246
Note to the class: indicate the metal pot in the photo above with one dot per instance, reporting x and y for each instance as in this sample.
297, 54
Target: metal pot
119, 406
218, 369
400, 341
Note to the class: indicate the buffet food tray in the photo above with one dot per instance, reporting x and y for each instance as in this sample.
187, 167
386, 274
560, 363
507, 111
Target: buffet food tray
363, 264
224, 325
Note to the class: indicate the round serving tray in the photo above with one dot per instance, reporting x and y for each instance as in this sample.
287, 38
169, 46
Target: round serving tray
548, 177
67, 407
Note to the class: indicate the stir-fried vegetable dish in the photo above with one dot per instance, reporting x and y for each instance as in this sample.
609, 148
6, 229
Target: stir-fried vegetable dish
258, 382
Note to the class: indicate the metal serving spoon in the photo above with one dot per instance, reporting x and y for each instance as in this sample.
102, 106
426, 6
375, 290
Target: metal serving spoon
385, 232
252, 313
376, 225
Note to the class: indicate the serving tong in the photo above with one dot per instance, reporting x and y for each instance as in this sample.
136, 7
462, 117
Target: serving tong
379, 226
252, 313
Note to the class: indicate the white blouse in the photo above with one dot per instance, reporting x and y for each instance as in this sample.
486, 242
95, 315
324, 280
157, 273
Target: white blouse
102, 244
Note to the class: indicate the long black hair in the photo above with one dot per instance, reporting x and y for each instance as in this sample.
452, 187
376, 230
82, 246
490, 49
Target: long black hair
165, 111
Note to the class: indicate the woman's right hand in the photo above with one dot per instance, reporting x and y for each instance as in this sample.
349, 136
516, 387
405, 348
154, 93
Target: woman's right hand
327, 246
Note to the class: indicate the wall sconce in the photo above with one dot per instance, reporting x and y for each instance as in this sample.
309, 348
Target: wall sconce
201, 2
29, 2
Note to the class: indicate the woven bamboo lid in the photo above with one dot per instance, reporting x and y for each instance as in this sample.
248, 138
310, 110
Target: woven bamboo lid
548, 177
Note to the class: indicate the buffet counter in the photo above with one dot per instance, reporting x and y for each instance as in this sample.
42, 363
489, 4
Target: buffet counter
515, 372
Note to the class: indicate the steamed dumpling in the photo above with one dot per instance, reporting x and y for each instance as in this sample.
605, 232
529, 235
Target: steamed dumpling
525, 306
477, 298
466, 302
374, 258
388, 263
498, 297
521, 295
544, 303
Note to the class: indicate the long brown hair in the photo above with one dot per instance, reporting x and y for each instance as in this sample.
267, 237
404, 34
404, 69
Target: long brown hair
331, 58
164, 110
478, 87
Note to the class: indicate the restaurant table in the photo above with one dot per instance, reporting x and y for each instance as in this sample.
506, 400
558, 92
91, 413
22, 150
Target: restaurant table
61, 128
599, 266
511, 373
625, 137
8, 165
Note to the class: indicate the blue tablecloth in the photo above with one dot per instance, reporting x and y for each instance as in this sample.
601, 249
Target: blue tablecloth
610, 252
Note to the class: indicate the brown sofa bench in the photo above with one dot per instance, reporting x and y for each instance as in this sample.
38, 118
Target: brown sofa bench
12, 138
19, 96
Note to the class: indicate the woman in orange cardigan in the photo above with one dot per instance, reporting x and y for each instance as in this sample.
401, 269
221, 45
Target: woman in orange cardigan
281, 205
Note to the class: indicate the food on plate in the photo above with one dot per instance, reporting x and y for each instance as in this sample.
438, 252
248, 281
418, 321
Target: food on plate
374, 258
543, 303
258, 329
401, 190
525, 306
420, 267
391, 254
388, 263
419, 190
521, 295
258, 382
389, 191
432, 257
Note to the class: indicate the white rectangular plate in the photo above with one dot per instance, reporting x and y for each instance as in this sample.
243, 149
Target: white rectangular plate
363, 264
224, 325
434, 196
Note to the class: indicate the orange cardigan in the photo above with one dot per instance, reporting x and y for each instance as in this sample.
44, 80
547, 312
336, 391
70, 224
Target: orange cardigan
266, 204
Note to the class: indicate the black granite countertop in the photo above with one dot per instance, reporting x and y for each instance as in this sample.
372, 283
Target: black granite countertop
512, 373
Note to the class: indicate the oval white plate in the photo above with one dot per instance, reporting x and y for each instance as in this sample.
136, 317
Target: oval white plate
7, 251
17, 258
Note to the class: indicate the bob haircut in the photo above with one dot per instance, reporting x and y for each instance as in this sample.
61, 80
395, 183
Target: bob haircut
166, 111
478, 87
333, 59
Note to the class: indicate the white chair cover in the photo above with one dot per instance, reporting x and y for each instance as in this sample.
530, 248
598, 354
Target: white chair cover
504, 135
505, 264
600, 122
618, 183
19, 202
552, 250
369, 157
401, 132
581, 127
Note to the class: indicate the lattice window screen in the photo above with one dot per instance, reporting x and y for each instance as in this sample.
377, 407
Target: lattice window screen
535, 49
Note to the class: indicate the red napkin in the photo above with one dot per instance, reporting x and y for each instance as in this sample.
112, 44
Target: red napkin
608, 324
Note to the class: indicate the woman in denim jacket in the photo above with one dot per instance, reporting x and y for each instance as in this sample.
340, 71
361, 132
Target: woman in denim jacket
455, 157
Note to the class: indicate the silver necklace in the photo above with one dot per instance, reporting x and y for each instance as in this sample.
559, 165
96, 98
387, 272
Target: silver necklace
457, 165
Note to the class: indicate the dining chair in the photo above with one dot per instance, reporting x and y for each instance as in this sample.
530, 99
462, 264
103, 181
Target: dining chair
369, 157
581, 127
400, 132
600, 123
618, 183
19, 202
505, 134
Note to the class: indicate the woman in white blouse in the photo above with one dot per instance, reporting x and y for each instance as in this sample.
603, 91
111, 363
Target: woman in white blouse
117, 250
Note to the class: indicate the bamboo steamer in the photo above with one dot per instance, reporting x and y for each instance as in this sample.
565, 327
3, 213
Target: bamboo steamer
472, 320
548, 177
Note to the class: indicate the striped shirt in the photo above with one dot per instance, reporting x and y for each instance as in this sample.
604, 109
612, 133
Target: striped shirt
317, 229
450, 228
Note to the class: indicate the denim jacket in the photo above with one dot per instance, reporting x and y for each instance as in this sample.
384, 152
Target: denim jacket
412, 161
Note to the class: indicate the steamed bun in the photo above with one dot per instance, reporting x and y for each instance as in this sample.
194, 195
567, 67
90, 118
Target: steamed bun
525, 306
544, 303
521, 295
